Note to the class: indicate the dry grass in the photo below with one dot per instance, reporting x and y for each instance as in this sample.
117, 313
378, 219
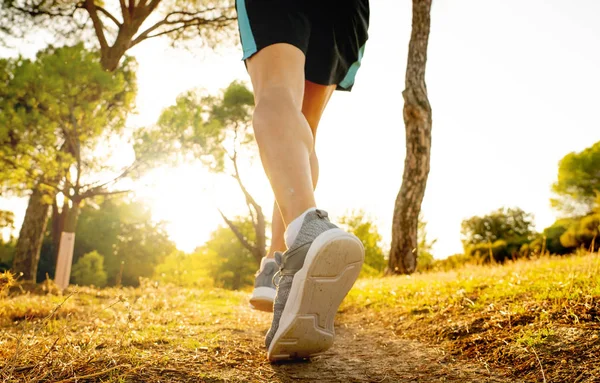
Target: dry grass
148, 334
540, 319
7, 280
535, 320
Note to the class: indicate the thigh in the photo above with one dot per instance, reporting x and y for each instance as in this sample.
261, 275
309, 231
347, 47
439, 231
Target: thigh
276, 67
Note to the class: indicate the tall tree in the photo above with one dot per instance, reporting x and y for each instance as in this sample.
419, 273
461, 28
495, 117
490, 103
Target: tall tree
417, 119
119, 26
55, 106
88, 166
217, 131
578, 185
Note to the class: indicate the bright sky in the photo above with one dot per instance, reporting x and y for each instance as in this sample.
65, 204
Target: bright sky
514, 86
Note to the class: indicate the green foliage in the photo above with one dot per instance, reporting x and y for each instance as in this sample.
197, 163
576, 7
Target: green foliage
7, 219
205, 127
425, 260
554, 233
583, 232
502, 232
55, 106
89, 270
365, 229
221, 262
125, 233
186, 270
507, 224
490, 252
228, 262
215, 130
7, 248
7, 253
578, 184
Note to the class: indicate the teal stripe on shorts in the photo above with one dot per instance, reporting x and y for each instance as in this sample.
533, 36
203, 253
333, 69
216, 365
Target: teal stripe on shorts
248, 43
348, 80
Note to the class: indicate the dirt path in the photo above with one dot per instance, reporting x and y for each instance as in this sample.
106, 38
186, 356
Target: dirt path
187, 336
362, 354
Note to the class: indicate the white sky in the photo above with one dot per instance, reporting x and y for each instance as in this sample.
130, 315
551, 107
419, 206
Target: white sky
514, 86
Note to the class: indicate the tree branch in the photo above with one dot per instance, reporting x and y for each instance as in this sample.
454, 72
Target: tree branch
124, 12
259, 221
131, 8
238, 234
186, 20
123, 174
153, 4
89, 194
109, 15
145, 34
98, 26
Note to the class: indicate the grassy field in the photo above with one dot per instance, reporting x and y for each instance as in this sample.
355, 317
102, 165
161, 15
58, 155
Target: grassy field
529, 321
540, 319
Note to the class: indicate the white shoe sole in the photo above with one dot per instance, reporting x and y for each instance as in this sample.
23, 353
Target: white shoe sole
262, 298
331, 267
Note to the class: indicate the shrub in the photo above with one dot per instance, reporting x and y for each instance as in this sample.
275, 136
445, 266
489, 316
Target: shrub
89, 270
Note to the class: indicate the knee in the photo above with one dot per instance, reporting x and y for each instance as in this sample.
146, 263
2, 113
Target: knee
275, 108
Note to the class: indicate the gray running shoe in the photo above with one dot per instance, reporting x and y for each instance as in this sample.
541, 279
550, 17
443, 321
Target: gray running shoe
263, 294
315, 275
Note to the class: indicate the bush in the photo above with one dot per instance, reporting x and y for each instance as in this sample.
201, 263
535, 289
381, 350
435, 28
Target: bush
363, 227
503, 250
553, 235
7, 253
583, 233
452, 262
89, 270
185, 270
425, 261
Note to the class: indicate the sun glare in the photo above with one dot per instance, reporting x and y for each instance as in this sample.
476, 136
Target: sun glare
188, 198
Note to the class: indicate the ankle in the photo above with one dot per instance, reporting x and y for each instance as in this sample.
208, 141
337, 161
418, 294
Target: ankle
294, 227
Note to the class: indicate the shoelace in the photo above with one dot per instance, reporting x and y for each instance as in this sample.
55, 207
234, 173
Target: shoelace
277, 275
322, 214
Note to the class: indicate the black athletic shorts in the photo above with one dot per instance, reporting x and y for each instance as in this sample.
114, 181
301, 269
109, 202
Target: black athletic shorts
331, 33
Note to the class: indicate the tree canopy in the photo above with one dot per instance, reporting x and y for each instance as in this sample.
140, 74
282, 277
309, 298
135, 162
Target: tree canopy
115, 27
503, 224
54, 107
578, 184
215, 130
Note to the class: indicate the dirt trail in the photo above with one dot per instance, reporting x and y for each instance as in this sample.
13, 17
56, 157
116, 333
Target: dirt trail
367, 354
217, 340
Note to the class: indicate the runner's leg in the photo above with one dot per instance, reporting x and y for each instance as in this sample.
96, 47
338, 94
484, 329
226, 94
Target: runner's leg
282, 132
315, 100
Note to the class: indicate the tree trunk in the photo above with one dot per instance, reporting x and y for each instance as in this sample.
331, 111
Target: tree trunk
65, 250
58, 225
259, 248
417, 119
29, 244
